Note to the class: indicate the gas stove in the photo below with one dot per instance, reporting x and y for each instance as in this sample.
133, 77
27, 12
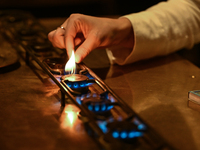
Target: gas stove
104, 115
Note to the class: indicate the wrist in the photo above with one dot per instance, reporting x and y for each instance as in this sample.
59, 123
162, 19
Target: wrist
126, 32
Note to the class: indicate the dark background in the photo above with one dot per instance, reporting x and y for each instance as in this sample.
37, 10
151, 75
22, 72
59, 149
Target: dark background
63, 8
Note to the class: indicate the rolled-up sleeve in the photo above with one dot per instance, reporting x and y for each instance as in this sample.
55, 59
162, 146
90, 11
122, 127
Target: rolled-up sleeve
160, 30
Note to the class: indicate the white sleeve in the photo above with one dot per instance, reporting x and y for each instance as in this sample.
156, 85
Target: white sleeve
160, 30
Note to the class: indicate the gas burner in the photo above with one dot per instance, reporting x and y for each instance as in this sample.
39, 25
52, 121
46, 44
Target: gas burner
100, 105
55, 65
14, 19
42, 49
41, 46
77, 83
125, 130
16, 16
27, 34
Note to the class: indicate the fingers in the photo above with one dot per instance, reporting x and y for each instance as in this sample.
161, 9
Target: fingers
85, 48
73, 35
66, 36
57, 38
79, 39
78, 31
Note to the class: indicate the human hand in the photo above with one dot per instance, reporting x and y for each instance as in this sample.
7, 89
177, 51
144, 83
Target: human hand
89, 33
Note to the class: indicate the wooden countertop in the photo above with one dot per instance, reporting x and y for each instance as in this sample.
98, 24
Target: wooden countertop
156, 89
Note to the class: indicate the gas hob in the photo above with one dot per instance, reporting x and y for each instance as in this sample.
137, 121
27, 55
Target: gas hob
106, 118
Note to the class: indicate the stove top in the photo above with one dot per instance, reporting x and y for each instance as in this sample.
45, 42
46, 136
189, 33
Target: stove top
103, 114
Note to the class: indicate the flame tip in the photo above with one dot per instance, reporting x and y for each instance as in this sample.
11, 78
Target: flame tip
71, 65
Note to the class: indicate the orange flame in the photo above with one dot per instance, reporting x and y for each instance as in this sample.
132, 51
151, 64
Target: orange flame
69, 116
70, 66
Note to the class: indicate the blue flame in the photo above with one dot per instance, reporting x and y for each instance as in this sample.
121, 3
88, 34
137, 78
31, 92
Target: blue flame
103, 107
141, 127
115, 134
99, 107
77, 85
103, 126
123, 134
78, 99
82, 85
90, 107
126, 134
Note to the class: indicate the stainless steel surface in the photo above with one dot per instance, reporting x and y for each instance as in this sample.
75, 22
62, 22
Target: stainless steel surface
156, 89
